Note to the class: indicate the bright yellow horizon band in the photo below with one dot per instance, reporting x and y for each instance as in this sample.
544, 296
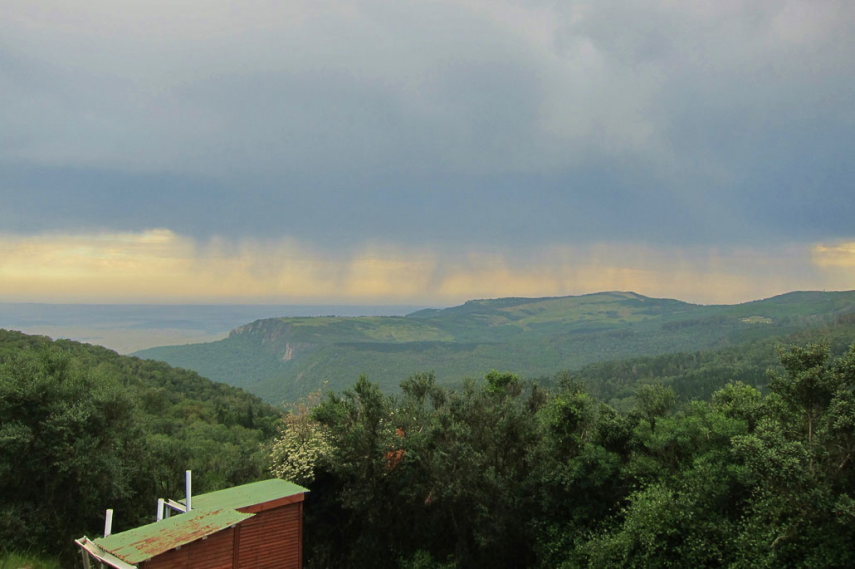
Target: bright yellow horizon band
159, 265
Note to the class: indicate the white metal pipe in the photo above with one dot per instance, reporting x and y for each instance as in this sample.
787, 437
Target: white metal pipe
187, 490
160, 506
85, 556
108, 523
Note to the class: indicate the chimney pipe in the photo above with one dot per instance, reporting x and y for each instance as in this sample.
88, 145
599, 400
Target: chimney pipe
187, 489
160, 503
108, 523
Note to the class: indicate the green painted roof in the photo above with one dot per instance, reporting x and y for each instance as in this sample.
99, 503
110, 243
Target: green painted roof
211, 513
246, 495
146, 541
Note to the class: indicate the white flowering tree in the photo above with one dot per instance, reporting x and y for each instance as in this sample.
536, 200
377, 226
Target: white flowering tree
301, 447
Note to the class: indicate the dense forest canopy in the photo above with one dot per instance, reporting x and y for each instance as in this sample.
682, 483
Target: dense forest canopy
505, 473
83, 429
669, 461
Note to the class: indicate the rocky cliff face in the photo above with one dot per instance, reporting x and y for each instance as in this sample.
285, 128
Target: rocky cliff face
274, 336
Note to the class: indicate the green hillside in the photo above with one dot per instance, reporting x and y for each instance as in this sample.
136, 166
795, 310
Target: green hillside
697, 375
83, 429
286, 358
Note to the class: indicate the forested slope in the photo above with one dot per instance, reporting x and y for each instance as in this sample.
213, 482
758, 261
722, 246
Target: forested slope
503, 473
697, 375
287, 358
634, 463
83, 429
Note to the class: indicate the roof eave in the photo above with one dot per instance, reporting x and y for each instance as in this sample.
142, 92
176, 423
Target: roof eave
103, 556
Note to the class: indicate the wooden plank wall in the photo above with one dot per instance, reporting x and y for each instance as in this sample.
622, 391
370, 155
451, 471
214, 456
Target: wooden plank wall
272, 539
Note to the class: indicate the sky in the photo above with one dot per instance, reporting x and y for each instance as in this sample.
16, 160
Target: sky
424, 152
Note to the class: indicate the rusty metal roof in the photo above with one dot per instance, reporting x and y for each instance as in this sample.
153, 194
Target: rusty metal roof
211, 513
146, 541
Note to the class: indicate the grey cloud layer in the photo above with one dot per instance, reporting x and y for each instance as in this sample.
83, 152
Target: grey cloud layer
430, 121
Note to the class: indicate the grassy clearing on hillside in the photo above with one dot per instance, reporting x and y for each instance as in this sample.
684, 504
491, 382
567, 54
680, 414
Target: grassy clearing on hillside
287, 358
364, 328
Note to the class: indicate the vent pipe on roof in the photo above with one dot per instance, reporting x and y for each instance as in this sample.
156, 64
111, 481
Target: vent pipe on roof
108, 523
160, 504
187, 489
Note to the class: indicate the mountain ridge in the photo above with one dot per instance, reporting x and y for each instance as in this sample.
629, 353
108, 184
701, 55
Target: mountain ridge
288, 357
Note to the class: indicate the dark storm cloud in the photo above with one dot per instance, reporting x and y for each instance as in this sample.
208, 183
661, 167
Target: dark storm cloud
480, 122
437, 209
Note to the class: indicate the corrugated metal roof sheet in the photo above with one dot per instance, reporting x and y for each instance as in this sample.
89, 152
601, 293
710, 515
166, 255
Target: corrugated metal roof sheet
211, 513
247, 495
146, 541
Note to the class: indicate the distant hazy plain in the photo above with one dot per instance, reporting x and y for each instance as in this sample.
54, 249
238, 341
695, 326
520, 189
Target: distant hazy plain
127, 328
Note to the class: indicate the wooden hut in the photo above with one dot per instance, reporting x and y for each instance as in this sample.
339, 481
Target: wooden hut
254, 526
